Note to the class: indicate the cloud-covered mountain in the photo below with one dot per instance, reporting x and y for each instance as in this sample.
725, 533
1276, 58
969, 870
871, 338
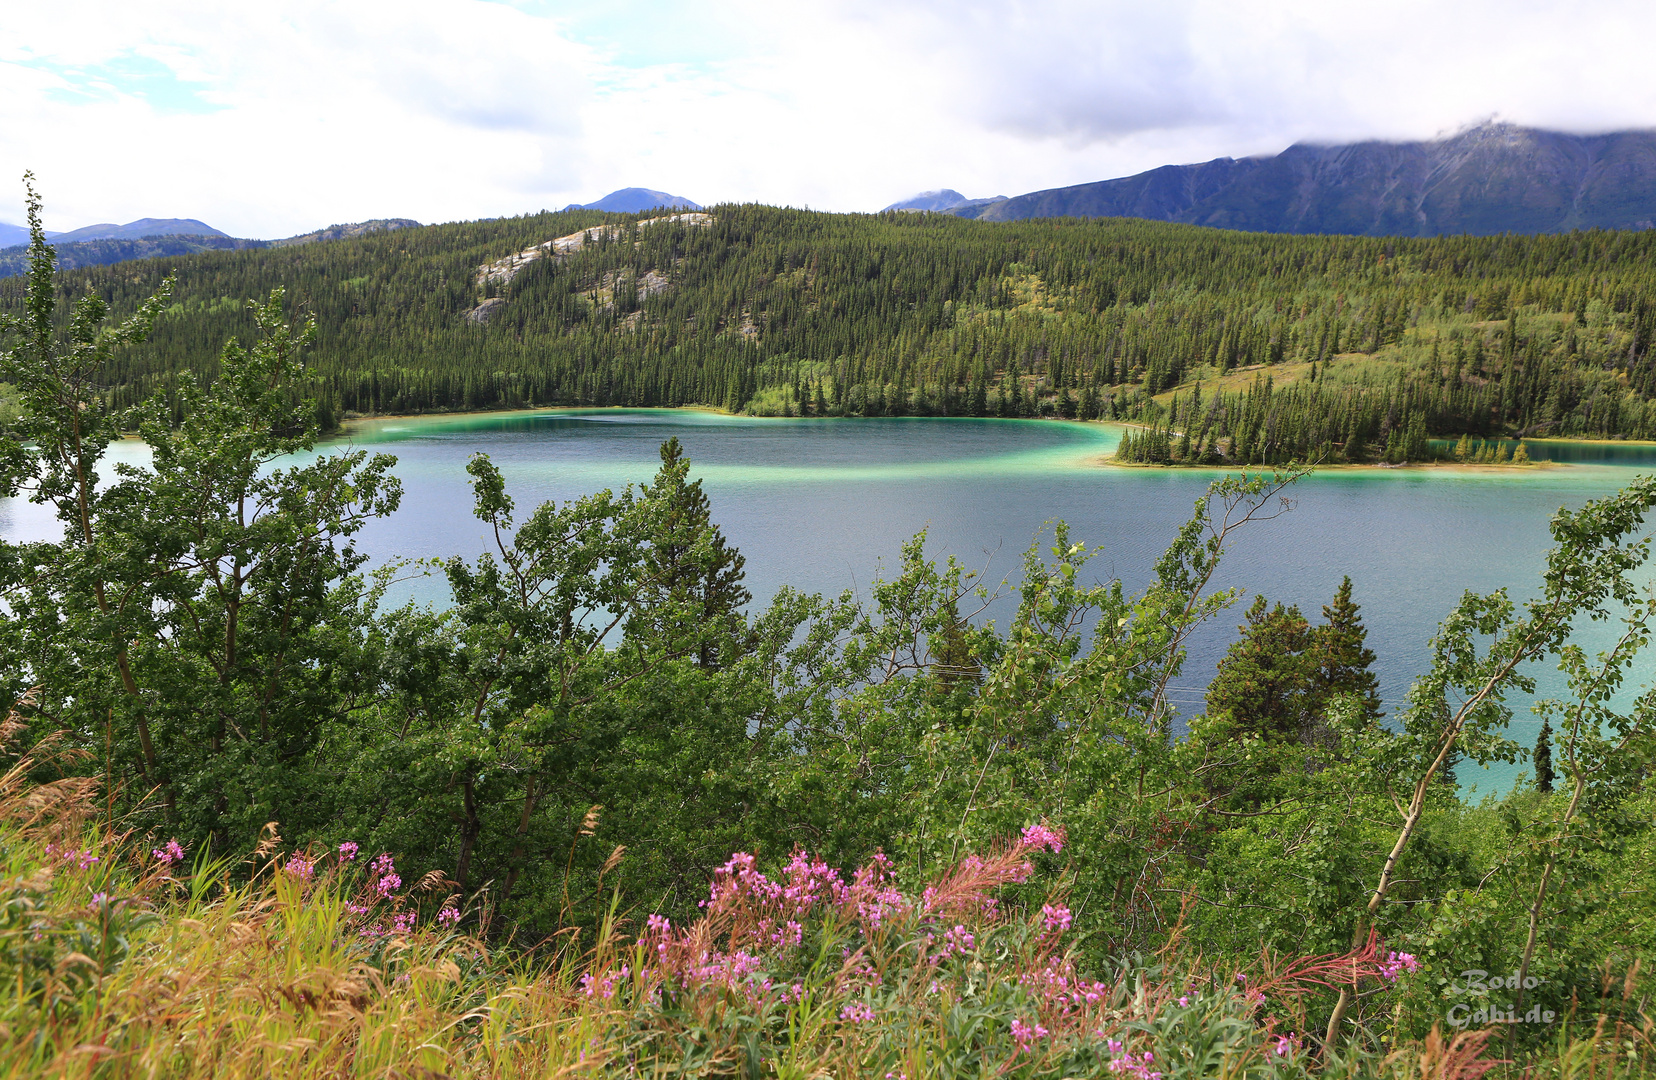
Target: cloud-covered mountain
1488, 179
634, 200
946, 200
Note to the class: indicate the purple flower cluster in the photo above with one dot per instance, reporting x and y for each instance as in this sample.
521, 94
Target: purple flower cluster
856, 1013
1136, 1066
1286, 1045
80, 857
166, 856
1395, 964
957, 940
384, 868
1026, 1035
1039, 836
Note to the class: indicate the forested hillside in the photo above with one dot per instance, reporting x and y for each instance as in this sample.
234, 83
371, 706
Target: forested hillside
786, 311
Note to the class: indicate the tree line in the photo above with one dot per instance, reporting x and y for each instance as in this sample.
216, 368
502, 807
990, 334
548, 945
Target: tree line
786, 312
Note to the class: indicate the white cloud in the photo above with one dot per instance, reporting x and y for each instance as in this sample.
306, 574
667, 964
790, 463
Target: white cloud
266, 121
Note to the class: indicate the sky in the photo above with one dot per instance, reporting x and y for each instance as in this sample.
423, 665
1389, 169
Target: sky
266, 120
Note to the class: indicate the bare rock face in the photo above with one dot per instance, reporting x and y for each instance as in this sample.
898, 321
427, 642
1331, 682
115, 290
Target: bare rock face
486, 310
348, 232
505, 269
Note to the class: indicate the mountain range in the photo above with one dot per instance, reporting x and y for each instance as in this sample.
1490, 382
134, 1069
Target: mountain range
1488, 179
101, 245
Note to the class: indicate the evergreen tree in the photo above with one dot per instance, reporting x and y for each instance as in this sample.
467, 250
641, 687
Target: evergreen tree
1544, 775
696, 576
1260, 689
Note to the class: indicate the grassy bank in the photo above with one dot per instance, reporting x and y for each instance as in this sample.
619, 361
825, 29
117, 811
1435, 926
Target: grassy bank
122, 956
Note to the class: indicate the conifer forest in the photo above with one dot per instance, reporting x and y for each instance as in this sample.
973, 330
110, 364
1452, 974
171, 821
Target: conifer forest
1278, 348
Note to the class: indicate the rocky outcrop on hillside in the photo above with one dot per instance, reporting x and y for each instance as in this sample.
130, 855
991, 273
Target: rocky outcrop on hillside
347, 232
503, 270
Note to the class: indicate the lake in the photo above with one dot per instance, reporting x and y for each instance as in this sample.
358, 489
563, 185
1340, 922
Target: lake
823, 504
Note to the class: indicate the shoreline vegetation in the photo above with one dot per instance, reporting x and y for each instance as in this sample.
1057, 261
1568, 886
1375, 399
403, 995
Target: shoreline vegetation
1473, 461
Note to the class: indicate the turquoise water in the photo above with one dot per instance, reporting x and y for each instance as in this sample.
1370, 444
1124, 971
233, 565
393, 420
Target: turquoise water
822, 504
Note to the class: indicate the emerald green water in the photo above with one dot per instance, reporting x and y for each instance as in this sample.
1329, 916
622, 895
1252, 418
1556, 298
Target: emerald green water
822, 504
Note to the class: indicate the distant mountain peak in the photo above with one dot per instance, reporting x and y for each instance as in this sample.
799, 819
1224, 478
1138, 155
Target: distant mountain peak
944, 200
347, 232
142, 229
634, 200
941, 199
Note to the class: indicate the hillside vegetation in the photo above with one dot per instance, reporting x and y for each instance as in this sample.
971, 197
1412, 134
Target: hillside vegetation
787, 312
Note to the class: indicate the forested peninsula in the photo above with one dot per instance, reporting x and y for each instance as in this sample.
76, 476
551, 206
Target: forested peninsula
1279, 347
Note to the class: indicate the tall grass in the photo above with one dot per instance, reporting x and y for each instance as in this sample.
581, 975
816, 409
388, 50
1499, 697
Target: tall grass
120, 957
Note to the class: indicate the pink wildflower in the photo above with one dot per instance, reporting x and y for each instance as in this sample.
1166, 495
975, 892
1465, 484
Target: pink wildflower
856, 1013
348, 851
1026, 1035
166, 856
1040, 836
1396, 964
1057, 917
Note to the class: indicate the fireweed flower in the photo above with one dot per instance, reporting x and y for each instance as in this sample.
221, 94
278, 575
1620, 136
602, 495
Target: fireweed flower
348, 851
449, 915
166, 856
1396, 964
856, 1013
1039, 836
1056, 918
1025, 1035
299, 866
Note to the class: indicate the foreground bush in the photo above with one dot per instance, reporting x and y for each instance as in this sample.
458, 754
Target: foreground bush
122, 957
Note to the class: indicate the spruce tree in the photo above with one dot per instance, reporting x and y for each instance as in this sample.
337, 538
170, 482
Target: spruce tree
693, 569
1260, 688
1344, 660
1544, 775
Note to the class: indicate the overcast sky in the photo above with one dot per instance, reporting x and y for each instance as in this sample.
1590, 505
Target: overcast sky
265, 120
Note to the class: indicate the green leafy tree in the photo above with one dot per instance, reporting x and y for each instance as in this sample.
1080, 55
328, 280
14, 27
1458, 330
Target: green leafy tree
201, 620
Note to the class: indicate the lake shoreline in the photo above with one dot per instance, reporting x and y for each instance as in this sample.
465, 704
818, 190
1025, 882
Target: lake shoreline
1103, 461
716, 411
